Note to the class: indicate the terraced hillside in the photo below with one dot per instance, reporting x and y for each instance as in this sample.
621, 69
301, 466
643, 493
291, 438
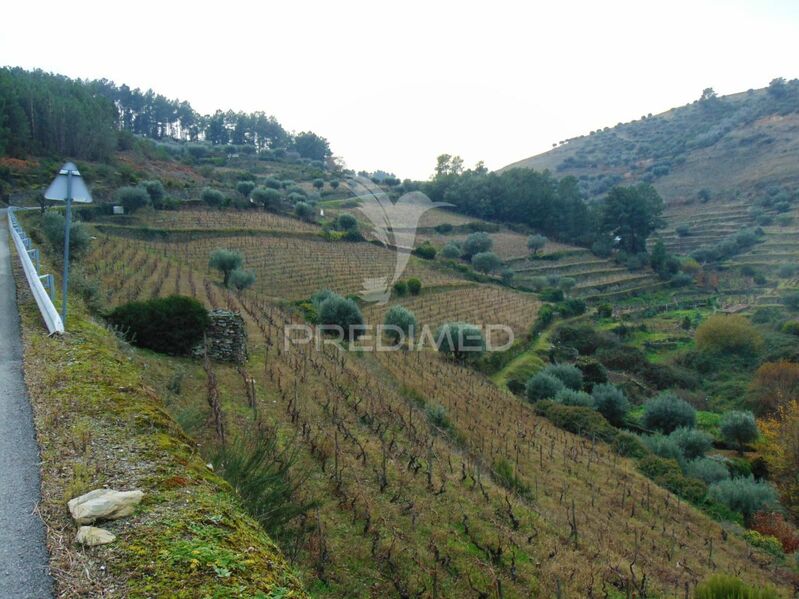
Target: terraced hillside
430, 480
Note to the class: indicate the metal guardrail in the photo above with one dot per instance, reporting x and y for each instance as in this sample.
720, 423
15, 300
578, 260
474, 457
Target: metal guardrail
43, 299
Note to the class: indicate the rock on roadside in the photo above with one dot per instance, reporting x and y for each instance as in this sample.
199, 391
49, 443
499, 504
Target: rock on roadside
106, 504
91, 536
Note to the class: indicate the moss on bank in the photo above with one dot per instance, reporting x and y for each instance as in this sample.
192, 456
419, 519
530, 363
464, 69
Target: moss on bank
98, 425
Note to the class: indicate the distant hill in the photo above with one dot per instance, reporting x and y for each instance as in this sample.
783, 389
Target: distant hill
728, 147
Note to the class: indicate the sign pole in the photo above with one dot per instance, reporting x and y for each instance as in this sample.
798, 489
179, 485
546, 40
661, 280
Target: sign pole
65, 282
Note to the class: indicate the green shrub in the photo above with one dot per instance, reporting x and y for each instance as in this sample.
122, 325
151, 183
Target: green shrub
335, 310
572, 307
461, 340
212, 197
666, 473
451, 251
791, 327
585, 339
303, 211
171, 325
707, 470
611, 402
664, 447
437, 416
132, 198
568, 374
486, 262
738, 428
570, 397
268, 197
346, 222
54, 224
263, 476
399, 317
542, 386
551, 295
155, 189
414, 286
744, 495
582, 421
444, 228
476, 243
427, 251
693, 443
241, 279
667, 412
401, 288
728, 334
629, 445
767, 543
720, 586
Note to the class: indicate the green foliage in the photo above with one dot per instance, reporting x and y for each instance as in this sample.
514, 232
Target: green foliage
268, 197
437, 416
335, 310
212, 197
476, 243
414, 286
611, 402
399, 317
273, 183
303, 211
728, 334
265, 478
629, 445
486, 262
568, 374
451, 251
505, 476
245, 188
132, 198
542, 386
54, 224
346, 222
426, 251
536, 243
171, 325
791, 301
631, 214
570, 397
692, 442
579, 420
666, 473
226, 261
744, 495
708, 470
155, 189
664, 447
721, 586
460, 340
738, 428
241, 279
667, 412
767, 543
312, 146
401, 288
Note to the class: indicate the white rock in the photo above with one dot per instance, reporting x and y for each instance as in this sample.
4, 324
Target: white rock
91, 536
105, 504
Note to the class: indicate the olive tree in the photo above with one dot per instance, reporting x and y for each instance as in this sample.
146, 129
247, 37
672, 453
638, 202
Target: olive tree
400, 322
245, 188
536, 243
212, 197
241, 279
226, 261
268, 197
738, 428
476, 243
461, 340
486, 262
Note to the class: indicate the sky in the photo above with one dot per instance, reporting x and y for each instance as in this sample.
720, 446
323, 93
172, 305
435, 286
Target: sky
393, 85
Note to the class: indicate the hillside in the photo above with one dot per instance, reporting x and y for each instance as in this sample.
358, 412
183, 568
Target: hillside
733, 146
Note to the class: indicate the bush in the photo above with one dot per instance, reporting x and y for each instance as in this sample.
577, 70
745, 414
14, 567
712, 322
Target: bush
571, 307
460, 340
414, 286
401, 288
335, 310
241, 279
536, 243
667, 412
568, 374
728, 334
542, 386
476, 243
268, 197
593, 372
53, 225
586, 422
346, 222
611, 402
437, 415
744, 495
399, 317
226, 261
629, 445
767, 543
444, 228
570, 397
132, 198
451, 251
212, 197
155, 189
486, 262
664, 447
720, 586
693, 443
738, 428
427, 251
171, 325
585, 339
666, 473
707, 470
551, 295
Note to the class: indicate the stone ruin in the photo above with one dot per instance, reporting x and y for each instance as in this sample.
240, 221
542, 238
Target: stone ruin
226, 337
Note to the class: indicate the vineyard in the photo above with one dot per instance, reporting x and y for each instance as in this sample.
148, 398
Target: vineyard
218, 220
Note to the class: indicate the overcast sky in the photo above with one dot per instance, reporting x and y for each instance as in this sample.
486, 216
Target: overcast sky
393, 85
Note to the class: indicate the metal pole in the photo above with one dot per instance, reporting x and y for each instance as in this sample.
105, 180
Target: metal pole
65, 282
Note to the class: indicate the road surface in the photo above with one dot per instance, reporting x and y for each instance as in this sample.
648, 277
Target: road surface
24, 570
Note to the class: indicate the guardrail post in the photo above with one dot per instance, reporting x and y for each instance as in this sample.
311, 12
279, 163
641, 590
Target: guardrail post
34, 253
49, 283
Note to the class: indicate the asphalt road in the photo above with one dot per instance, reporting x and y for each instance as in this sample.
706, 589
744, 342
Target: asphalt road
23, 555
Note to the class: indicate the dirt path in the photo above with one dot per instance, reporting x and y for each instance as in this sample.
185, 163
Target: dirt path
23, 554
